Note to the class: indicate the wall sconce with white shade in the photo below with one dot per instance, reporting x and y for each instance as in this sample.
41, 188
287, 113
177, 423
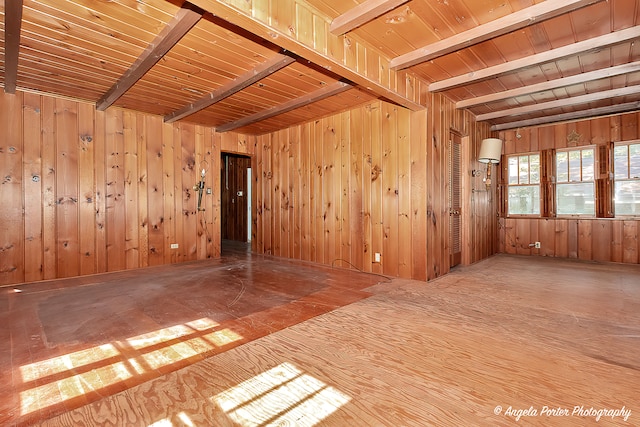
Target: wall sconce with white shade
490, 153
490, 150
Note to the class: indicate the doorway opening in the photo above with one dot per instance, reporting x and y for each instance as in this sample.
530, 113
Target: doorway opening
235, 201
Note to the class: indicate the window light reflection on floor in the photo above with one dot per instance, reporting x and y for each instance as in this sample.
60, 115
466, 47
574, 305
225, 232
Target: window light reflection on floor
166, 422
55, 392
283, 395
55, 365
58, 379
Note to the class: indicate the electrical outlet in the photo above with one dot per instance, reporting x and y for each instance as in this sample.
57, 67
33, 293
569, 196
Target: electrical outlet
376, 257
174, 246
537, 245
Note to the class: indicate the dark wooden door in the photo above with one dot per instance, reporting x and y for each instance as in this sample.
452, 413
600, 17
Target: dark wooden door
234, 197
455, 200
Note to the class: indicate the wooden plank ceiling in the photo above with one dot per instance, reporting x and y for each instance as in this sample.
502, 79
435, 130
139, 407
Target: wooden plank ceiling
513, 63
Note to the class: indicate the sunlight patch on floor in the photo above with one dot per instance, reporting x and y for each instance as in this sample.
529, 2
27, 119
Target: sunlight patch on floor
283, 395
183, 421
59, 379
55, 365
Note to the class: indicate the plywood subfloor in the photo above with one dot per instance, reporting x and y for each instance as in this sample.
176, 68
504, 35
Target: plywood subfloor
479, 346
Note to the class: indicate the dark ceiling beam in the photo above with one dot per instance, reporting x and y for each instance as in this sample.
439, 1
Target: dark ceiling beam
626, 35
514, 21
325, 92
245, 80
288, 41
361, 14
185, 19
551, 85
12, 25
572, 116
559, 103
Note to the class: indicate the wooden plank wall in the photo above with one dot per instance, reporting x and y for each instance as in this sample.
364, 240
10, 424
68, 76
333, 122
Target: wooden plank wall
597, 239
85, 192
373, 179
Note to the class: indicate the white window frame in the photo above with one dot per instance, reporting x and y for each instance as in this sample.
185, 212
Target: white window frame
628, 178
528, 182
573, 180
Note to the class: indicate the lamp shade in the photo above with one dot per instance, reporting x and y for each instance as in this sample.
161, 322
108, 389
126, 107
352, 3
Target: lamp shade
490, 150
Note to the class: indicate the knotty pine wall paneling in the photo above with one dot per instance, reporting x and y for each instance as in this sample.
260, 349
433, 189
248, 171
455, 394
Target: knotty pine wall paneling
589, 239
86, 192
116, 215
67, 188
86, 186
12, 219
376, 182
437, 208
374, 122
186, 224
390, 190
419, 139
167, 225
155, 200
133, 203
48, 178
305, 184
352, 179
33, 218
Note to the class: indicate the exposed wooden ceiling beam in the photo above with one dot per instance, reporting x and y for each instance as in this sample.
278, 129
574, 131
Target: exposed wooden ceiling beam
180, 25
12, 25
245, 80
539, 58
540, 12
325, 92
288, 42
551, 85
572, 116
576, 100
361, 14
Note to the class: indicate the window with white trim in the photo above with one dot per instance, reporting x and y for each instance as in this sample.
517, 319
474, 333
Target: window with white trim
524, 184
626, 168
575, 181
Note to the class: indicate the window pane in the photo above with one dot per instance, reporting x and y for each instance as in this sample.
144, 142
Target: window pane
576, 199
634, 159
574, 166
562, 167
524, 200
627, 198
524, 169
621, 162
513, 170
534, 163
588, 165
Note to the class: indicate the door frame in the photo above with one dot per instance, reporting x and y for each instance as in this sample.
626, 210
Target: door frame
455, 210
247, 196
